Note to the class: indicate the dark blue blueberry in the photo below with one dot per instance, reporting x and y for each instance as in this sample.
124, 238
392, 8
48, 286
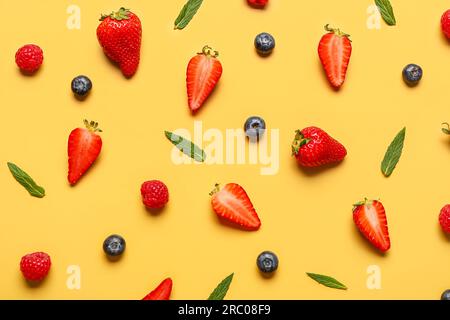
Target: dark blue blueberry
267, 262
264, 43
412, 74
446, 295
114, 245
81, 86
254, 127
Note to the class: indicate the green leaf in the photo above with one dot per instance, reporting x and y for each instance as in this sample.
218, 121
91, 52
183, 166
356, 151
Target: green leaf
222, 289
187, 13
181, 15
186, 146
446, 128
386, 11
393, 153
26, 181
327, 281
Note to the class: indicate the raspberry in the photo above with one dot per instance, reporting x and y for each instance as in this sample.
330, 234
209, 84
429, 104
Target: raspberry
29, 58
154, 194
444, 218
257, 3
445, 23
35, 266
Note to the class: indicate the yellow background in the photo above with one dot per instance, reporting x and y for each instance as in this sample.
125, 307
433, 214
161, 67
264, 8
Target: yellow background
306, 216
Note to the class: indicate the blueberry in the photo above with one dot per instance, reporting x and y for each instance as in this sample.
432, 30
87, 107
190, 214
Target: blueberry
254, 127
81, 86
264, 43
114, 245
446, 295
267, 262
412, 74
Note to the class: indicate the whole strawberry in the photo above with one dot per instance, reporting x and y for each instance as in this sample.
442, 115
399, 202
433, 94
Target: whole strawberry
35, 266
445, 23
313, 147
444, 218
120, 34
154, 194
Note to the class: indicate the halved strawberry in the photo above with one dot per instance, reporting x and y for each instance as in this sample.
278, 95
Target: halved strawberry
335, 49
370, 218
83, 148
203, 73
162, 292
233, 204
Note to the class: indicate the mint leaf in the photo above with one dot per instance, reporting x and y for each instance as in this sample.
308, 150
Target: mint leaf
222, 289
186, 146
26, 181
386, 11
393, 153
181, 15
327, 281
187, 13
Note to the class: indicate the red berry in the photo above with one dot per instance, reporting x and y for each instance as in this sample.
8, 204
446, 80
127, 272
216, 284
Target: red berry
370, 218
313, 147
203, 72
234, 205
35, 266
120, 34
162, 292
83, 149
335, 50
445, 23
154, 194
29, 58
444, 218
257, 3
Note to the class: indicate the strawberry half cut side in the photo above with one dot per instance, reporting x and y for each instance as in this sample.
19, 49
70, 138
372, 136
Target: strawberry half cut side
202, 75
370, 218
233, 204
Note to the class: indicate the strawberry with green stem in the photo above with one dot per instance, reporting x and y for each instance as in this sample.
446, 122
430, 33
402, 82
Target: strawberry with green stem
84, 147
233, 204
370, 218
335, 49
202, 75
120, 35
313, 147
